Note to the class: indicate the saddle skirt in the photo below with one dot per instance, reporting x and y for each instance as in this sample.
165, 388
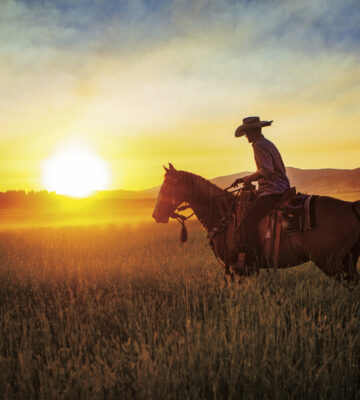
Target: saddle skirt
294, 213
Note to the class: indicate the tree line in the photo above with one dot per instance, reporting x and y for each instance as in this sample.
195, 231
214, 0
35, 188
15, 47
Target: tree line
31, 200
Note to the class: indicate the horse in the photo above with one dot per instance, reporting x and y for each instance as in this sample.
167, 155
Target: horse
333, 245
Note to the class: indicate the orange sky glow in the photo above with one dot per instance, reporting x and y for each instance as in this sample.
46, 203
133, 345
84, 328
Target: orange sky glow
154, 82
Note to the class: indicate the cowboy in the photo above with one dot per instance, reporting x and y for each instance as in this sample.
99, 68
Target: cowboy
272, 183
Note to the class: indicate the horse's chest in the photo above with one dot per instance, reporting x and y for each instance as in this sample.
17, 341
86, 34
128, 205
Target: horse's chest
224, 243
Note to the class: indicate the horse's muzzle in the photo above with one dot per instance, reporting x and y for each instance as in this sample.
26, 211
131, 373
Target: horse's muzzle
159, 219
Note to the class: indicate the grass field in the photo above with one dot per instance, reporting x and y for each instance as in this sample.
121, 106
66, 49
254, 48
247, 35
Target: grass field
130, 313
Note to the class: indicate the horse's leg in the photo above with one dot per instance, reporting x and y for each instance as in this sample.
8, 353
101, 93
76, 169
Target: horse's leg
248, 270
350, 264
335, 236
331, 266
227, 269
229, 275
355, 251
340, 268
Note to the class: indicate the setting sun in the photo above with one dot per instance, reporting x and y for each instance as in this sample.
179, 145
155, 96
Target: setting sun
76, 171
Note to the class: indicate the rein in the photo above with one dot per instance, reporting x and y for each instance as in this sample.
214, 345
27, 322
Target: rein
182, 218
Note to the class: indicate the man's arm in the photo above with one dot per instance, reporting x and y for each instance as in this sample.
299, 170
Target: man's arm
265, 164
266, 169
262, 173
247, 179
252, 178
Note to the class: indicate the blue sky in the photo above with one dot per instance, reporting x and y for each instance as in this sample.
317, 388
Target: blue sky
127, 76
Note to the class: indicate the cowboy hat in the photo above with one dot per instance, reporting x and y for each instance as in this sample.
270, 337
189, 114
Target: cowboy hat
250, 123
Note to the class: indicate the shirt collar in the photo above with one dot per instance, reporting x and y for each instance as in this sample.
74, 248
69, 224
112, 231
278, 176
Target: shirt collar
259, 138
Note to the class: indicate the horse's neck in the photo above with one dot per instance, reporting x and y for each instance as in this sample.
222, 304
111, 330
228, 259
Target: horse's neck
208, 201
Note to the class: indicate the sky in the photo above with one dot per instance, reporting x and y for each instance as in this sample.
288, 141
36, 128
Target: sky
145, 82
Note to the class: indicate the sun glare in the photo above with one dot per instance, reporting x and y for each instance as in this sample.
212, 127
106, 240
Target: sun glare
76, 171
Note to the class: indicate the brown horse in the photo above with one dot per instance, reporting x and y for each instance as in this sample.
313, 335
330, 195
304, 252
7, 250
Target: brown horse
333, 245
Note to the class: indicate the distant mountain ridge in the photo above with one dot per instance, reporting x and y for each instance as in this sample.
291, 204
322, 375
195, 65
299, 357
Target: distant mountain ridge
340, 183
312, 181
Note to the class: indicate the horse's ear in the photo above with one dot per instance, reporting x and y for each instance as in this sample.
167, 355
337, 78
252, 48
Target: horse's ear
171, 167
166, 169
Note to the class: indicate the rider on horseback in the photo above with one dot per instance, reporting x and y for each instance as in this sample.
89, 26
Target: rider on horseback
272, 180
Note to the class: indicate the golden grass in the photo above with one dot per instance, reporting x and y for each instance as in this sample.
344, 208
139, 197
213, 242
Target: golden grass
130, 313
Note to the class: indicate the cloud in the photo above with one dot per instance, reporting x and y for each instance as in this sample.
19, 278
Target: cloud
121, 71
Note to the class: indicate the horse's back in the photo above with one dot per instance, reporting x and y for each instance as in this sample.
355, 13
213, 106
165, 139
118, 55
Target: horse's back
336, 229
336, 215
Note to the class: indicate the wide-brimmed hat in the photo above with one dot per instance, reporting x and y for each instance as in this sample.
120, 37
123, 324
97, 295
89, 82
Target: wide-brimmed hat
250, 123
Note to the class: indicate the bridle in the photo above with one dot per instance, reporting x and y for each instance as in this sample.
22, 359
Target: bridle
222, 224
175, 214
182, 218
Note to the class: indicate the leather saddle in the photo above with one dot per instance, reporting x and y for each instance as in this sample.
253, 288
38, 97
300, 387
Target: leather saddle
293, 213
296, 211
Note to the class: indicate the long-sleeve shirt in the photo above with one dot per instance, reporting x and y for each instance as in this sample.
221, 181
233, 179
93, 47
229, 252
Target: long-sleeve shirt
271, 168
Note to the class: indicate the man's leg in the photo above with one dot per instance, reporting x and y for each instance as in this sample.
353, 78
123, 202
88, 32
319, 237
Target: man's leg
249, 226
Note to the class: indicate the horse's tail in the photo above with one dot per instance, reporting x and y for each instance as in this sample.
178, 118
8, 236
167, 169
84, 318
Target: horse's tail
356, 208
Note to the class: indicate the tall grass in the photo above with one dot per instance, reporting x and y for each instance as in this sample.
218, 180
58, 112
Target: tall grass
107, 313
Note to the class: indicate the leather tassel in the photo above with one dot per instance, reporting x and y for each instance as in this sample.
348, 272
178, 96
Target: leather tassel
183, 234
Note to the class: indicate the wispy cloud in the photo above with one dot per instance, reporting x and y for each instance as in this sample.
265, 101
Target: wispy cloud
192, 69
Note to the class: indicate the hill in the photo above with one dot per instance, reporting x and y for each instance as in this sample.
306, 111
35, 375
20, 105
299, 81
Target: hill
329, 181
344, 183
312, 181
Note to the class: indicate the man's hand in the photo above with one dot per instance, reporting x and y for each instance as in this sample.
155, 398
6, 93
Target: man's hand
248, 179
237, 182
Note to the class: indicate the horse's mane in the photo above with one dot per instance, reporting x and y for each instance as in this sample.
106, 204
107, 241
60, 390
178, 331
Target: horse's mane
209, 202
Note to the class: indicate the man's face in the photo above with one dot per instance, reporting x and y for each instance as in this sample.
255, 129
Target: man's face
252, 135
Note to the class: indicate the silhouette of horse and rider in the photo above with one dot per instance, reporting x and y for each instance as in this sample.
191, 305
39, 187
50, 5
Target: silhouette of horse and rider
249, 231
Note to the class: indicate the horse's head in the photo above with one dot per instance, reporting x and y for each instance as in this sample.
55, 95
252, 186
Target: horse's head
171, 195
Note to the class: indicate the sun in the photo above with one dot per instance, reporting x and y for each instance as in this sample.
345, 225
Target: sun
76, 171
